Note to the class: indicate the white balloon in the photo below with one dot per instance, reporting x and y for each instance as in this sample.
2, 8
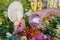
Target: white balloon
15, 11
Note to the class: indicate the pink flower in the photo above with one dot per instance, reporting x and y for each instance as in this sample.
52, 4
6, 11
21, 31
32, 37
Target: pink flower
49, 37
39, 36
19, 25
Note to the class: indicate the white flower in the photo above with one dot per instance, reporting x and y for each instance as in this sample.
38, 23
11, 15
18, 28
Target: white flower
58, 27
23, 38
52, 17
40, 26
8, 34
5, 13
45, 37
47, 21
28, 13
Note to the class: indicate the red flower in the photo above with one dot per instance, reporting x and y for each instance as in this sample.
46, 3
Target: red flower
30, 34
19, 25
26, 29
21, 33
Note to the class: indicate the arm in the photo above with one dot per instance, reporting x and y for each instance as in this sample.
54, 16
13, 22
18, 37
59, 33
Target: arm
44, 12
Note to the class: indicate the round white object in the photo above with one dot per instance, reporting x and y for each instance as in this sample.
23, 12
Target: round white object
15, 11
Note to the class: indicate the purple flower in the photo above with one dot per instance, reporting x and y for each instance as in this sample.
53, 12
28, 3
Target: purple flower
15, 31
49, 37
39, 36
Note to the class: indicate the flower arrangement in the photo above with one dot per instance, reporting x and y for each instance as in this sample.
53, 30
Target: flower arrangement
19, 22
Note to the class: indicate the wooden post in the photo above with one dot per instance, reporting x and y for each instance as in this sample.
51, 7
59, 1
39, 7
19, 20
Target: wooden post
33, 5
51, 4
55, 4
39, 5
